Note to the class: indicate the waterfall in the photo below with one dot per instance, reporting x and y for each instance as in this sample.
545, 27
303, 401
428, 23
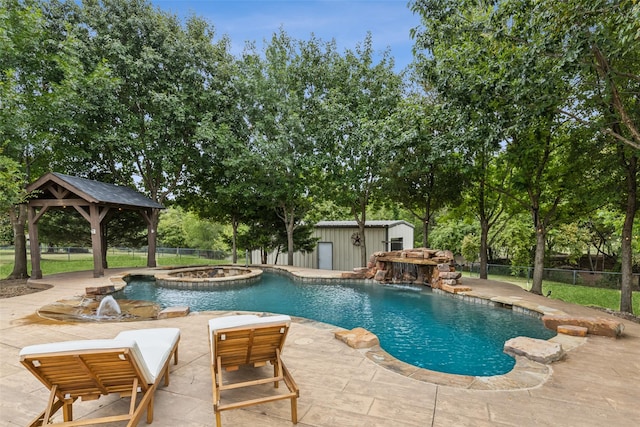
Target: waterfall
403, 272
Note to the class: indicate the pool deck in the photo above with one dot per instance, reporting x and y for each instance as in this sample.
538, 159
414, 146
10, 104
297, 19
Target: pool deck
597, 384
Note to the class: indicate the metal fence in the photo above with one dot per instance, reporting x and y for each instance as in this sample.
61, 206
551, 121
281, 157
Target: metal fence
71, 253
598, 279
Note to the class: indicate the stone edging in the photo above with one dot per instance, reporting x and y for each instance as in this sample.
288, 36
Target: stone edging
526, 373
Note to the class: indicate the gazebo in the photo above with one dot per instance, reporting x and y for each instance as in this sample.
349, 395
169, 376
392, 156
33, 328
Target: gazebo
96, 201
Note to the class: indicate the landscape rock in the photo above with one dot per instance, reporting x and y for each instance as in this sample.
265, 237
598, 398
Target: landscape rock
170, 312
358, 338
595, 325
540, 351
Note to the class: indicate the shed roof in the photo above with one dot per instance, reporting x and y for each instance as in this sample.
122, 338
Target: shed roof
368, 224
96, 191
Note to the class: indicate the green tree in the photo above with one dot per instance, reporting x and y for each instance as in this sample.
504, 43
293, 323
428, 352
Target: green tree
519, 91
167, 80
359, 129
287, 83
36, 84
424, 173
595, 45
451, 229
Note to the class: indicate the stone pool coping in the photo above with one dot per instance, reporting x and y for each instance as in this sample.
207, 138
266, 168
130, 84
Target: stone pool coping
525, 374
597, 384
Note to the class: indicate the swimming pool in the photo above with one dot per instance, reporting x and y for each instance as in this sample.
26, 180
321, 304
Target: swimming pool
413, 324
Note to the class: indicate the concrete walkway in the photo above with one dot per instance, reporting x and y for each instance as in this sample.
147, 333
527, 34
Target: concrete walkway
597, 384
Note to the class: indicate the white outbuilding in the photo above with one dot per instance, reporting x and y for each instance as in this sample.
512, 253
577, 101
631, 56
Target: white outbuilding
339, 243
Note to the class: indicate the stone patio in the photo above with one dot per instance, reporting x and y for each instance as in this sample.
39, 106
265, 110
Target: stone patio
597, 383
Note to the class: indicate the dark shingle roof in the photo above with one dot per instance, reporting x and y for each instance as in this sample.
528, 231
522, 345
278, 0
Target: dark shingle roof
101, 192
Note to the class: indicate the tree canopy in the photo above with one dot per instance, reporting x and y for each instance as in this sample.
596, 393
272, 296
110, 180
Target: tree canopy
517, 122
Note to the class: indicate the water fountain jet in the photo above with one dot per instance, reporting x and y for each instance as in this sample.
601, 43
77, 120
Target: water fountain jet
108, 307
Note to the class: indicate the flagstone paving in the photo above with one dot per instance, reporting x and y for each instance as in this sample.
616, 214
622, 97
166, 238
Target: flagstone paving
596, 384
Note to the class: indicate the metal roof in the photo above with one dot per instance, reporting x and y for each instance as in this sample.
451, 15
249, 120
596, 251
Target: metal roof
96, 191
368, 224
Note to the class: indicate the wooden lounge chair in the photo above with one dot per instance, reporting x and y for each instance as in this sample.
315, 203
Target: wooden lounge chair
131, 363
249, 340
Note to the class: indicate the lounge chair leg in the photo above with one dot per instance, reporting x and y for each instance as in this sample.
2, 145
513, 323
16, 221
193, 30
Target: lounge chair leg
67, 410
150, 410
294, 410
218, 420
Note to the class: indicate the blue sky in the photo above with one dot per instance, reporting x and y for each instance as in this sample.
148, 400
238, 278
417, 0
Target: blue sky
389, 21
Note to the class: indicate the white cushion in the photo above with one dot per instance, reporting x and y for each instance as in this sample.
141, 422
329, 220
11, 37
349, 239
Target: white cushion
155, 346
81, 345
240, 320
245, 320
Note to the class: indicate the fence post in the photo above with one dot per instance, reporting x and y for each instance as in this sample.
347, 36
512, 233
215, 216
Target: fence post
574, 276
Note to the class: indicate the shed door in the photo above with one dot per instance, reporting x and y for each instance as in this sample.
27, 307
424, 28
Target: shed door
325, 255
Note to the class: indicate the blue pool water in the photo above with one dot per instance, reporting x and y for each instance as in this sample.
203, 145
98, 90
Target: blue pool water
413, 324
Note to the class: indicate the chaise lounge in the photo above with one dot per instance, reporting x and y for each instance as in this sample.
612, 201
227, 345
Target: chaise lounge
133, 362
250, 341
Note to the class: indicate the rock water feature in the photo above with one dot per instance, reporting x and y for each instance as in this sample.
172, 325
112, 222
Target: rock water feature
97, 307
424, 266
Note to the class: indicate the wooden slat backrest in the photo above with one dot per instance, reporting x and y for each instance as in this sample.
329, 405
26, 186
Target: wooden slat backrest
86, 374
251, 345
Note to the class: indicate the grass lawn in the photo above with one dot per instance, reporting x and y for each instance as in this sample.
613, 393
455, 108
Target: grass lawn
576, 294
62, 263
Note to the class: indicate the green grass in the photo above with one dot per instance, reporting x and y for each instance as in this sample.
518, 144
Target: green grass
576, 294
63, 263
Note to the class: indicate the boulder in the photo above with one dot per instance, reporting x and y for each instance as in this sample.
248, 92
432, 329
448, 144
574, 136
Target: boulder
540, 351
450, 275
358, 338
170, 312
595, 325
443, 268
380, 275
453, 289
94, 291
575, 331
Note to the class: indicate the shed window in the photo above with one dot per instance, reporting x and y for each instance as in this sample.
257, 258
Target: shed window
396, 244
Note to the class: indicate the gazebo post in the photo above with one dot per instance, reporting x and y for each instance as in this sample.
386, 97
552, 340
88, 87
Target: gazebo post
34, 244
96, 240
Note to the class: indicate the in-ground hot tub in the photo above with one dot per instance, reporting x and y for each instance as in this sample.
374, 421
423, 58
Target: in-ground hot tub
207, 277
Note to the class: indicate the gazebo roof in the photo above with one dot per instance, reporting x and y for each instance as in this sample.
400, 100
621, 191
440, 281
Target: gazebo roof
95, 191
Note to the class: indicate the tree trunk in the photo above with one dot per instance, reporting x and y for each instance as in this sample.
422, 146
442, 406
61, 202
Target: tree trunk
626, 294
484, 238
152, 237
538, 263
18, 217
234, 242
425, 233
290, 229
363, 245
